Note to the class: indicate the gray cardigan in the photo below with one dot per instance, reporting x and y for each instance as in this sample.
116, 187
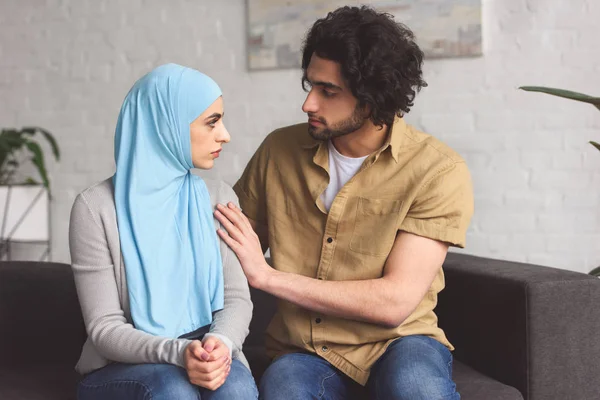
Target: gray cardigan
101, 284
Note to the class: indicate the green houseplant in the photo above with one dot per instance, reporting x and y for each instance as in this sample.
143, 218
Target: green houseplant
17, 146
24, 210
567, 94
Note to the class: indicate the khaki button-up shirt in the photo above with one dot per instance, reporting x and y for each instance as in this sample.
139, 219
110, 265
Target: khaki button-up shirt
414, 183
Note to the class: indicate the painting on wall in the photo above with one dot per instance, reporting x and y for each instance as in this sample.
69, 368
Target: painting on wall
443, 28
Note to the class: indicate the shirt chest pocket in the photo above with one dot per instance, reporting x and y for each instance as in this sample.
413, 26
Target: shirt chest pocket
375, 226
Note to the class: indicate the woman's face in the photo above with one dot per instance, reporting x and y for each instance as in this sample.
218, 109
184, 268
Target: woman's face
207, 135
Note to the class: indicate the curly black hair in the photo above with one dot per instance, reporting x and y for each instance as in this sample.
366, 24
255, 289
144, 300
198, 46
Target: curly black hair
379, 58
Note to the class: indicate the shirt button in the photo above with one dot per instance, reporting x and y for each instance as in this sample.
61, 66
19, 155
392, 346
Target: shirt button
318, 320
324, 349
329, 240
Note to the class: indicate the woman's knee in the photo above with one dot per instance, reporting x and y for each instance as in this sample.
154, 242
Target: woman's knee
171, 382
137, 382
239, 385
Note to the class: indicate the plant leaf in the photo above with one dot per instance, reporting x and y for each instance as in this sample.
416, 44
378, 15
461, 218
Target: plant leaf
29, 130
38, 161
48, 137
10, 142
13, 139
567, 94
31, 181
595, 144
595, 271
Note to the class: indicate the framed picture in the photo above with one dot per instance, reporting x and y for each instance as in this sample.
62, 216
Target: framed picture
443, 28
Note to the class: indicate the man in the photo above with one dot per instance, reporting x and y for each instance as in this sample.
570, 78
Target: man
358, 210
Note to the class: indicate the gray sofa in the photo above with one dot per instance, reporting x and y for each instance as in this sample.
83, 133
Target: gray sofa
521, 331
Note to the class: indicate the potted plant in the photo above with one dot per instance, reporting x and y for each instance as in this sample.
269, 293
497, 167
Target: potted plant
24, 209
567, 94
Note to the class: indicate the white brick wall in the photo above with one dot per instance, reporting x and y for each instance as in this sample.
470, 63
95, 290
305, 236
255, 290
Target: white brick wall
66, 65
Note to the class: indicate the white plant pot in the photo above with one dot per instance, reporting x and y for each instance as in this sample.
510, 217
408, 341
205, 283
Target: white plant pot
24, 214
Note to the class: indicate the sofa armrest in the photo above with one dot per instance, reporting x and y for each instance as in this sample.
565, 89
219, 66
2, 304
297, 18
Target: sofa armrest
40, 318
531, 327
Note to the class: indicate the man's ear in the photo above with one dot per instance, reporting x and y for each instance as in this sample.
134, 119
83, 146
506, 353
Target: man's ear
365, 110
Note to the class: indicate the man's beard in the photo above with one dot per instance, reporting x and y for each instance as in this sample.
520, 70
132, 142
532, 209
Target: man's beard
345, 127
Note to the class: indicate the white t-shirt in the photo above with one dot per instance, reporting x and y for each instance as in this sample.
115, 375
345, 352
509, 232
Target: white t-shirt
341, 169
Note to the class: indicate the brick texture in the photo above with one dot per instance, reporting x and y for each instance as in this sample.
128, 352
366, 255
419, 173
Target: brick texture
66, 65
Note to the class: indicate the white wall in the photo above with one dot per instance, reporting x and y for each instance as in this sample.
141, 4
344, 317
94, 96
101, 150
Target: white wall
66, 65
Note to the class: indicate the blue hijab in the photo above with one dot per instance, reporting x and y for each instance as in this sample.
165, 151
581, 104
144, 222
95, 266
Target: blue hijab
166, 227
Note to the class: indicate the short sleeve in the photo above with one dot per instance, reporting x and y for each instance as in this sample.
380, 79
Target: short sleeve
252, 185
443, 208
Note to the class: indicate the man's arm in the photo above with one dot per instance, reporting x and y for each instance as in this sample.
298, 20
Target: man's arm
408, 273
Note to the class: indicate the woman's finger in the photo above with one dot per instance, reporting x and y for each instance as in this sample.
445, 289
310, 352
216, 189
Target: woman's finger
205, 368
217, 383
207, 379
196, 348
218, 352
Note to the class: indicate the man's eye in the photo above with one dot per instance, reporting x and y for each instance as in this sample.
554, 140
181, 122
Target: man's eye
328, 94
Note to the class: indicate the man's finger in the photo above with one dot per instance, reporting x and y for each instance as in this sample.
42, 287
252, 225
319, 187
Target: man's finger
225, 221
233, 216
228, 240
241, 215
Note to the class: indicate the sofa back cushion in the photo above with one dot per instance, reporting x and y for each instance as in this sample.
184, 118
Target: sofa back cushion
40, 318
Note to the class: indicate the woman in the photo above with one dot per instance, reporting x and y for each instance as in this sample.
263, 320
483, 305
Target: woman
165, 303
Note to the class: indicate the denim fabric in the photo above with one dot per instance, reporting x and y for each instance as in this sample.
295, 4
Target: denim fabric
161, 382
412, 368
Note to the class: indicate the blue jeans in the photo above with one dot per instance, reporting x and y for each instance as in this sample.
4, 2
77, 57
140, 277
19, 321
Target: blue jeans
161, 382
412, 368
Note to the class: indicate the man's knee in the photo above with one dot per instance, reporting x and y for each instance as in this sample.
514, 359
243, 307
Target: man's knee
282, 380
293, 376
416, 383
414, 368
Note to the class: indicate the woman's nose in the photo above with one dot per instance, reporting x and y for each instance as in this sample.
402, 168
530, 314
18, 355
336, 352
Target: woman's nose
223, 135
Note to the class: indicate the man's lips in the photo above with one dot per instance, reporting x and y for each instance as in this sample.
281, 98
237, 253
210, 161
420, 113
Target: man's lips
315, 122
216, 153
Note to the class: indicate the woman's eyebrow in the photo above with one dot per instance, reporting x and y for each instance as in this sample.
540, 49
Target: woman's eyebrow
215, 116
